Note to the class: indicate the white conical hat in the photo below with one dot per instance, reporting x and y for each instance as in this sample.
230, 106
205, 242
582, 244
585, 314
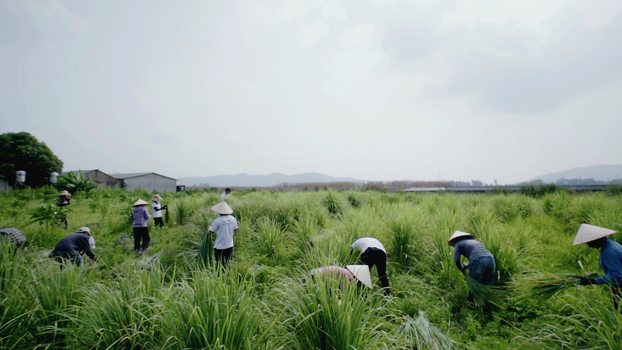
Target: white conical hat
361, 272
222, 208
458, 234
139, 202
588, 233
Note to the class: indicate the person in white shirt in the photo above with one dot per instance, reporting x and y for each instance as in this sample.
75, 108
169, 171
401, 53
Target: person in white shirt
373, 253
157, 210
225, 195
225, 226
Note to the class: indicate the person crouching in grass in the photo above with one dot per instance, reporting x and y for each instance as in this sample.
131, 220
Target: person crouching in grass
373, 253
140, 215
481, 264
225, 227
72, 247
610, 258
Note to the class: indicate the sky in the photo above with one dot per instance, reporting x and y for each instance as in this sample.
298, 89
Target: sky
372, 89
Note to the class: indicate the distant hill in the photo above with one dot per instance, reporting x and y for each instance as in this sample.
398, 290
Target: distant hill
596, 172
247, 180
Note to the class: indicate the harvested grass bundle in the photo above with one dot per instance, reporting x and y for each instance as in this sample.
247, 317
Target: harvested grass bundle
481, 293
543, 285
421, 334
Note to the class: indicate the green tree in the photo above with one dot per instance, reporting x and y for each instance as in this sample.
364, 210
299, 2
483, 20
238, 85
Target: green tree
22, 151
75, 182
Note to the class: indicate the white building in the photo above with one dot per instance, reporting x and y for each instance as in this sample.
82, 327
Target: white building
4, 184
147, 181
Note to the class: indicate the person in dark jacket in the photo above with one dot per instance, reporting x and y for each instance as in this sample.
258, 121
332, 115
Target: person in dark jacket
481, 262
610, 258
72, 247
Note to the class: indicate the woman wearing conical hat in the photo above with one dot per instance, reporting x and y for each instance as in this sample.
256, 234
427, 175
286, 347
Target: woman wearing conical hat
610, 257
481, 262
225, 227
140, 215
353, 273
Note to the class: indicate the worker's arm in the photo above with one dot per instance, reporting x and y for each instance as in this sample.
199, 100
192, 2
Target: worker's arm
213, 227
457, 254
612, 266
86, 247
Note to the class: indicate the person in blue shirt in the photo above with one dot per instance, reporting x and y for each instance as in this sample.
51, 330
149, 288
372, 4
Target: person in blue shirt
481, 262
610, 258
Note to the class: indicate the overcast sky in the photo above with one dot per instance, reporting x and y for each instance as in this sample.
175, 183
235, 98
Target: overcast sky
376, 90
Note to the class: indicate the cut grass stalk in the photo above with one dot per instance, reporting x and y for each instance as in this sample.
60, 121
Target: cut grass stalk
543, 285
421, 334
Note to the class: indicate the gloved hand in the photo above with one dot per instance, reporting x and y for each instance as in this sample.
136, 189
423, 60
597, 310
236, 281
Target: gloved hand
586, 281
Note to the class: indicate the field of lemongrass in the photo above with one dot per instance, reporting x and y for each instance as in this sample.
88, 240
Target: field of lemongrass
173, 297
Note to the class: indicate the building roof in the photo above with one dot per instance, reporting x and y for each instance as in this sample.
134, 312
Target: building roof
76, 171
131, 175
424, 189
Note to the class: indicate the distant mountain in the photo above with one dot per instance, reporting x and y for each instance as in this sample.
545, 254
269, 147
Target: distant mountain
596, 172
247, 180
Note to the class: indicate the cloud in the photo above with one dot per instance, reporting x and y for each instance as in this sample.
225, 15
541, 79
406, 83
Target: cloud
518, 71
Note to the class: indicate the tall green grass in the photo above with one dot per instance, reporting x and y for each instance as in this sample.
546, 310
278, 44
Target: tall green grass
269, 237
218, 311
406, 230
200, 241
329, 314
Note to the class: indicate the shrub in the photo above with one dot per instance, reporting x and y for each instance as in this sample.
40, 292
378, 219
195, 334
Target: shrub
332, 202
613, 190
538, 191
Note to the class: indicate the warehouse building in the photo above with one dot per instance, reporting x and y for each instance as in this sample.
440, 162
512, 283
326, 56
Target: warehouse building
98, 177
147, 181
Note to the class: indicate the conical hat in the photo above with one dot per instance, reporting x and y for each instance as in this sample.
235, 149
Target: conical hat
222, 208
84, 229
139, 202
458, 234
588, 233
361, 272
156, 197
64, 193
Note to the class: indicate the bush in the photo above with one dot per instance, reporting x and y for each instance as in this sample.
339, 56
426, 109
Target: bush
332, 202
538, 191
